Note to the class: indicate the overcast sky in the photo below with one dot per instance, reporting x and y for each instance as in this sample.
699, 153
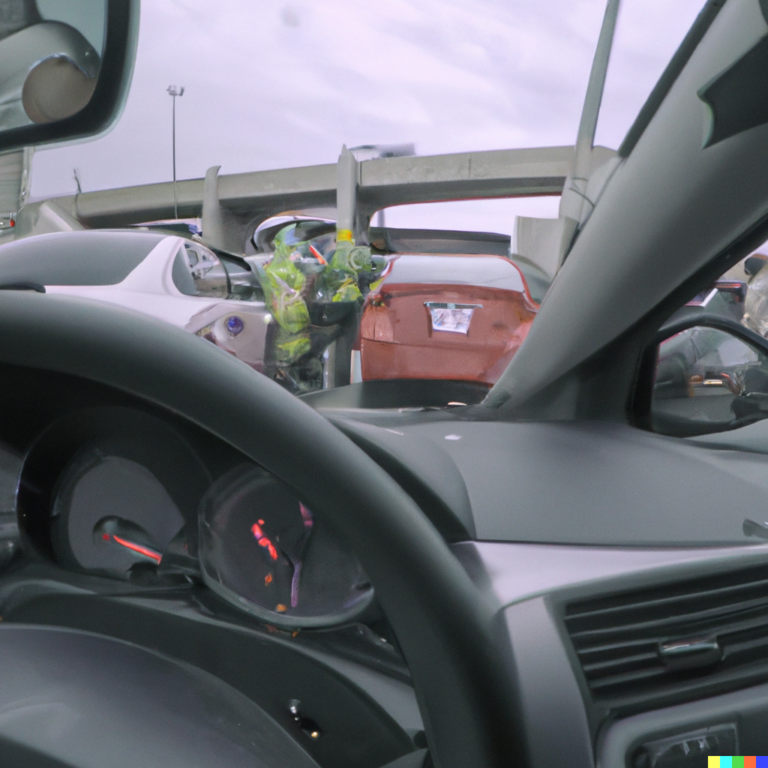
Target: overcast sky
272, 84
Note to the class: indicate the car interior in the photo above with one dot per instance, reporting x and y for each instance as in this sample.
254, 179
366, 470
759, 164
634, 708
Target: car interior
569, 568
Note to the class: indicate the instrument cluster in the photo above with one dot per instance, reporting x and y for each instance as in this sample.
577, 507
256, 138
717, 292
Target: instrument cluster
134, 499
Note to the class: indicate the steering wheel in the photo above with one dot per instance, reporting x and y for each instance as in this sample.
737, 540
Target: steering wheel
452, 635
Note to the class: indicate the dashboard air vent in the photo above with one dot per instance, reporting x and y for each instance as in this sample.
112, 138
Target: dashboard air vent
712, 630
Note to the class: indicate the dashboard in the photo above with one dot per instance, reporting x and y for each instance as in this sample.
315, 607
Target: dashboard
631, 583
633, 657
123, 519
120, 518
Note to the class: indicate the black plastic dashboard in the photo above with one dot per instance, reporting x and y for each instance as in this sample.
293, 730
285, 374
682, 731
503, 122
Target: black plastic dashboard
78, 458
577, 483
106, 503
635, 596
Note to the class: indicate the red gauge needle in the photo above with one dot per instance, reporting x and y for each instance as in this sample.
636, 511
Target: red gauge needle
146, 551
263, 540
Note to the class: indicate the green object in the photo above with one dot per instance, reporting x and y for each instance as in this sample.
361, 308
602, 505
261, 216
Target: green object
291, 349
283, 285
352, 258
288, 285
347, 291
341, 277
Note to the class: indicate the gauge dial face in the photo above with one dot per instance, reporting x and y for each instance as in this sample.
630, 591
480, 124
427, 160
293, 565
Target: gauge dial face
267, 553
111, 513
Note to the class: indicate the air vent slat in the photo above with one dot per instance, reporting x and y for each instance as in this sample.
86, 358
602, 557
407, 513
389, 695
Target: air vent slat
621, 680
672, 599
613, 666
641, 644
744, 644
691, 622
620, 649
614, 650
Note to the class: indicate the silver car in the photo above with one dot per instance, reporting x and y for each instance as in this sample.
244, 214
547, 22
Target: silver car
182, 282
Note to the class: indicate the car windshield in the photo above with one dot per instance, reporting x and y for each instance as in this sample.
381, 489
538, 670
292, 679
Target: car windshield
419, 287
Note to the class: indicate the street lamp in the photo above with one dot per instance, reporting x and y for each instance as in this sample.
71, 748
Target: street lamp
173, 91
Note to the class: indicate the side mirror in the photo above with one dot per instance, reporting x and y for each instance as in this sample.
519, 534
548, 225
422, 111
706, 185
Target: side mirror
711, 374
65, 68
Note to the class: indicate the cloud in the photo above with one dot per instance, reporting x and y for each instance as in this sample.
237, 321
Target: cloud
272, 85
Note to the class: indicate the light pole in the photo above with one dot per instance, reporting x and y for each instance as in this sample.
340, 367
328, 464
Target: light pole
173, 91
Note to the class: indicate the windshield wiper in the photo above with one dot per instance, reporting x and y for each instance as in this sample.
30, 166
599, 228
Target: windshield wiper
23, 286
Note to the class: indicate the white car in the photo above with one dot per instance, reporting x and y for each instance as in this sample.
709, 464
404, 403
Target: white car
182, 282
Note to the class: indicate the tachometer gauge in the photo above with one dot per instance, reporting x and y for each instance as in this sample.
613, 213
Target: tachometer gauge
111, 513
265, 552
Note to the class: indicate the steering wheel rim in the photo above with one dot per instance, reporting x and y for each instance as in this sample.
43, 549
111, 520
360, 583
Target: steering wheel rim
452, 635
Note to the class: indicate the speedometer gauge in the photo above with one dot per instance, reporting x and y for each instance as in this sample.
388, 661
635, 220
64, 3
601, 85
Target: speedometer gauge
267, 553
111, 513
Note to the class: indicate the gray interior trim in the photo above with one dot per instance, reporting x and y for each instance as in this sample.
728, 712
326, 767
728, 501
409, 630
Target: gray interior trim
518, 572
628, 733
556, 722
668, 77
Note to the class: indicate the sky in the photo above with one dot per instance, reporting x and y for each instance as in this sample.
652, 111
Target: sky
273, 84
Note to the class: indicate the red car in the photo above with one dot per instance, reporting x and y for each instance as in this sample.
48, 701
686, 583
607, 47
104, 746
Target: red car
447, 305
460, 317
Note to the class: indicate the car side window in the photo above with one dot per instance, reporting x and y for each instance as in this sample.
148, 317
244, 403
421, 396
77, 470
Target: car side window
712, 366
243, 283
197, 271
207, 271
182, 277
89, 257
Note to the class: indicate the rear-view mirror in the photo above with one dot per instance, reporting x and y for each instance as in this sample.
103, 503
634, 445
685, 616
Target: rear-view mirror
65, 67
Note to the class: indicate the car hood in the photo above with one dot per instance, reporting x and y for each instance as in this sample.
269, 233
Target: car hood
689, 192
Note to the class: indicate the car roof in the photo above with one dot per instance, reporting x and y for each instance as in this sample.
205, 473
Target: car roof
88, 257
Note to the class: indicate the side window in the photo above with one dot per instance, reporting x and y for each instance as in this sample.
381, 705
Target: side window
90, 257
243, 283
198, 272
712, 364
182, 277
207, 271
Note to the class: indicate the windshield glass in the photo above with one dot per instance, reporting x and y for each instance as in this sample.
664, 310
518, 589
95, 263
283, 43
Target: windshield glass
278, 85
417, 288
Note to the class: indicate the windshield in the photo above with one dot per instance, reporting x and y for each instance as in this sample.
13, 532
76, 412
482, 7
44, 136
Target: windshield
279, 85
425, 288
